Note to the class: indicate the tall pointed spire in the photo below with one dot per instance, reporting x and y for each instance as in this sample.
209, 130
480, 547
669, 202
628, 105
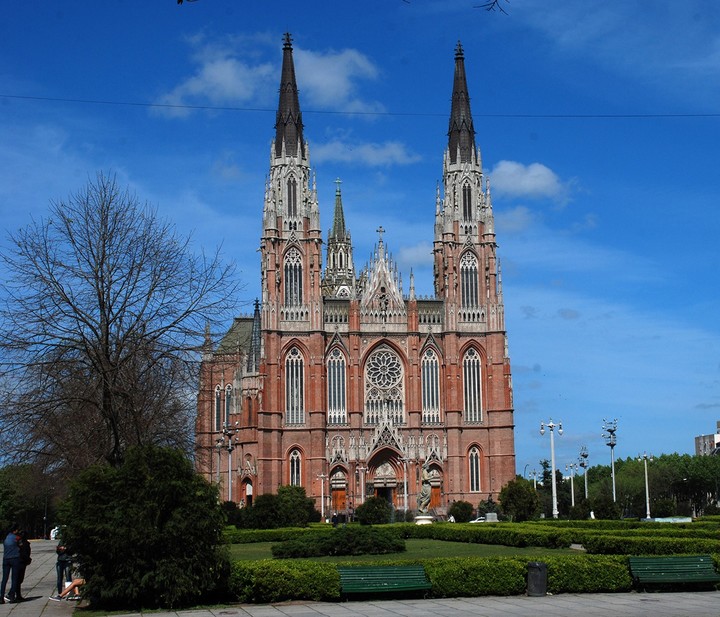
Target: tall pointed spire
461, 133
338, 228
288, 123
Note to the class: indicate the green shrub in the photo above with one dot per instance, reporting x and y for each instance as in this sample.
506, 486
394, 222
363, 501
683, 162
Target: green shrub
374, 511
469, 577
461, 511
342, 541
146, 534
263, 582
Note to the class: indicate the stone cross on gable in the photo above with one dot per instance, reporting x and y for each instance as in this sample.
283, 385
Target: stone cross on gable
380, 231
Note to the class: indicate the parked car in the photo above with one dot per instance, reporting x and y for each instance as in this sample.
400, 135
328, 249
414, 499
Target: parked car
479, 519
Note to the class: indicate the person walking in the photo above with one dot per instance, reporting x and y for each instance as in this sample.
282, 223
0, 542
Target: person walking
25, 561
11, 565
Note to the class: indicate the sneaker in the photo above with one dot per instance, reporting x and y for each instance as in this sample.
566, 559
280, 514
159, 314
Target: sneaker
73, 597
7, 599
56, 597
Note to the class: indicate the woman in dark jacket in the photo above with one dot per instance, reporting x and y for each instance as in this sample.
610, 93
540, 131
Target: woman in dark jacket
25, 559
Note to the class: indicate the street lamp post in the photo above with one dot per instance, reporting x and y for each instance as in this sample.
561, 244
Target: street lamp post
645, 458
362, 471
405, 486
572, 468
218, 447
534, 475
321, 477
610, 428
551, 426
228, 432
584, 464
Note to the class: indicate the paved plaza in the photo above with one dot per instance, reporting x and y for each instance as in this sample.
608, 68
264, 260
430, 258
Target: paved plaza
40, 583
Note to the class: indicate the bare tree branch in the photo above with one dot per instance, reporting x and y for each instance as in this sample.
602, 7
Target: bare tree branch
103, 313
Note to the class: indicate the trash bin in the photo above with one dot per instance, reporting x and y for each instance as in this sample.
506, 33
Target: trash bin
537, 579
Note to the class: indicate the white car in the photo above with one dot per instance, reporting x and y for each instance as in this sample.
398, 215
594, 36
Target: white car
479, 519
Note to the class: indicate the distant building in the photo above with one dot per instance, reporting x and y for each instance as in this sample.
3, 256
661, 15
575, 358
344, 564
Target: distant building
343, 383
706, 445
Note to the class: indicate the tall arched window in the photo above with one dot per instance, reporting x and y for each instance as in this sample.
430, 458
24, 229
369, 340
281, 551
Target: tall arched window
292, 198
384, 387
467, 202
337, 409
218, 408
472, 386
430, 387
468, 280
228, 402
294, 387
295, 468
474, 469
293, 278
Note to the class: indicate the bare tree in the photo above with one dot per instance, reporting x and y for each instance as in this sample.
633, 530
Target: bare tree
103, 312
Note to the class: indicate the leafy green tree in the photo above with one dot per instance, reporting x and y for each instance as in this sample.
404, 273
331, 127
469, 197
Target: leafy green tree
146, 533
461, 511
375, 511
297, 508
519, 500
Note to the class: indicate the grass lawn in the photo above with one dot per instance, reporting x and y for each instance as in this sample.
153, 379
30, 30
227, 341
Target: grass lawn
416, 549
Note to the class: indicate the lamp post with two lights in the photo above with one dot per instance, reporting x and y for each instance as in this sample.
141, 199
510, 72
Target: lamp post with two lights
551, 427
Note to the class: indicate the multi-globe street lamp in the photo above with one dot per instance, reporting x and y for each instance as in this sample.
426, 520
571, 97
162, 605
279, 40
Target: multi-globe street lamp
362, 471
227, 432
551, 427
584, 464
572, 468
610, 428
534, 475
321, 477
645, 458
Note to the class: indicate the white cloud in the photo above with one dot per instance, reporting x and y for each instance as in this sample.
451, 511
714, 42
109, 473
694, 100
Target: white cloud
232, 72
535, 180
372, 155
416, 256
330, 80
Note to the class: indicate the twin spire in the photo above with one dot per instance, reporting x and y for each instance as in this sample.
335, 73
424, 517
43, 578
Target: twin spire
461, 134
288, 122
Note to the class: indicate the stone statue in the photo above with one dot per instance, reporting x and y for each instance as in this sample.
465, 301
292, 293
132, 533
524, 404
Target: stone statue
423, 499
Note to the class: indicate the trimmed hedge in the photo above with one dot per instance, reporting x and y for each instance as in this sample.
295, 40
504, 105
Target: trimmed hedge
276, 581
342, 541
262, 582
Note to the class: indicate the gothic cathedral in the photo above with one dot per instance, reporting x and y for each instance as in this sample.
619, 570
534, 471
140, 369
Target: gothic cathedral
341, 382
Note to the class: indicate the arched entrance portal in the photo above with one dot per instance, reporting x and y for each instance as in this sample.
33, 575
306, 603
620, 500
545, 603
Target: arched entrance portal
338, 490
385, 483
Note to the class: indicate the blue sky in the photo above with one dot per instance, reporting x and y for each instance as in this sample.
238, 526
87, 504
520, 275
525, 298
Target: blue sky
598, 124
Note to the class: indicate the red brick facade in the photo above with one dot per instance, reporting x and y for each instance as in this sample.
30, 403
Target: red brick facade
341, 382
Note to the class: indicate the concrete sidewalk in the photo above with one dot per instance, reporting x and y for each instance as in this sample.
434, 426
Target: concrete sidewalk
40, 583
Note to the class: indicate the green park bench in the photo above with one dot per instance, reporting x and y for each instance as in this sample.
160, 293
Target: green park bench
383, 579
673, 570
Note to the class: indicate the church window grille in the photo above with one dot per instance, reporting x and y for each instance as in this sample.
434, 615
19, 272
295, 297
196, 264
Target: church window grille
468, 280
295, 468
292, 198
467, 202
474, 470
384, 388
430, 387
294, 388
293, 278
336, 371
472, 386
